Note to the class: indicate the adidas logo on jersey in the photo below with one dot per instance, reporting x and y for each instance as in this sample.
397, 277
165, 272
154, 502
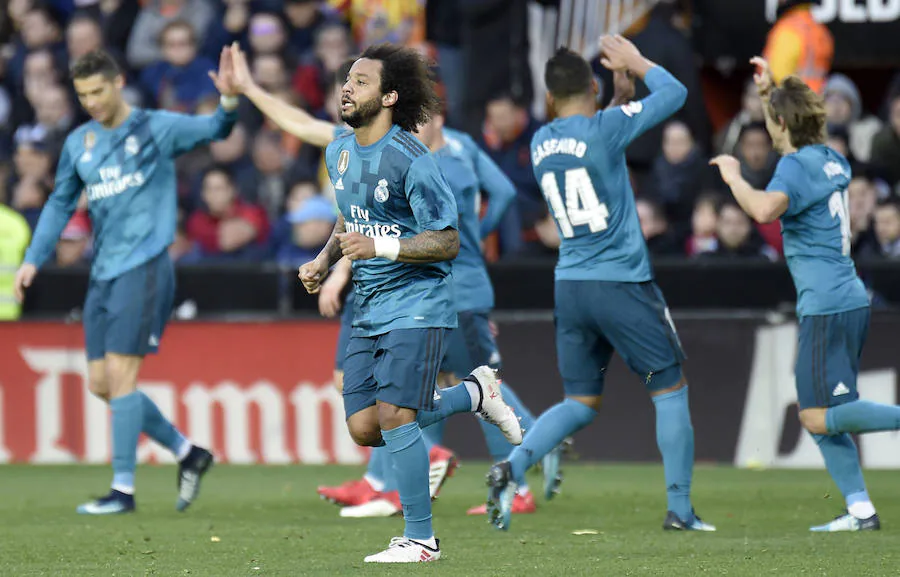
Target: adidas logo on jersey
840, 389
339, 185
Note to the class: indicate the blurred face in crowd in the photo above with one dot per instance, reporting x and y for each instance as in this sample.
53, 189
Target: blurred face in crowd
299, 193
313, 233
301, 14
179, 47
733, 227
752, 103
838, 109
651, 224
53, 107
704, 219
361, 98
17, 10
677, 142
862, 198
101, 97
895, 115
505, 118
28, 194
31, 161
40, 73
266, 34
267, 155
332, 46
755, 147
887, 223
218, 193
38, 30
269, 72
83, 36
232, 148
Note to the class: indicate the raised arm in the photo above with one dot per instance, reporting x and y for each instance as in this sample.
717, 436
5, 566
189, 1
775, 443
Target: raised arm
289, 118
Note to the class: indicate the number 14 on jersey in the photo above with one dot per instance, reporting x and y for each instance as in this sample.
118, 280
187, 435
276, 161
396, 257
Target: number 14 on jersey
581, 204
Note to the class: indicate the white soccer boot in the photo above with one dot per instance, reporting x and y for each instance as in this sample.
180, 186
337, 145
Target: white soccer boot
403, 550
492, 408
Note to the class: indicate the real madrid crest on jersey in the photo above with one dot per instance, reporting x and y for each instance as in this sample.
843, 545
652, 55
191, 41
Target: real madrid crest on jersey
90, 139
381, 191
342, 164
132, 146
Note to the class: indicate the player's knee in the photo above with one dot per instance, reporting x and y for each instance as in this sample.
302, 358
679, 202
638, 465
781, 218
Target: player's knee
813, 420
121, 374
594, 402
339, 381
364, 429
98, 387
391, 416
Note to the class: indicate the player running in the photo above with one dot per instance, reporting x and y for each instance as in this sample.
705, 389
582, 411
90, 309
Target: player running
809, 194
123, 159
398, 227
606, 299
468, 170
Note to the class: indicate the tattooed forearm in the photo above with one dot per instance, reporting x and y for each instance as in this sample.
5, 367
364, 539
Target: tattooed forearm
332, 251
430, 246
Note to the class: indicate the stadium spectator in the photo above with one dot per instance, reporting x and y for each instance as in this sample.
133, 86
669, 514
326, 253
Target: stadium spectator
271, 164
887, 228
862, 199
751, 111
839, 140
309, 227
83, 35
314, 77
843, 108
886, 145
180, 80
680, 172
55, 115
305, 17
32, 159
28, 197
655, 228
266, 34
704, 224
799, 45
735, 238
758, 161
506, 136
143, 46
228, 228
377, 22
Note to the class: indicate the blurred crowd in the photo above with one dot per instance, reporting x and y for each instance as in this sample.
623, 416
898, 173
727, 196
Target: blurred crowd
263, 195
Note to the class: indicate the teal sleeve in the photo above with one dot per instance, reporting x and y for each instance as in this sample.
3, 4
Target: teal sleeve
499, 188
430, 198
178, 133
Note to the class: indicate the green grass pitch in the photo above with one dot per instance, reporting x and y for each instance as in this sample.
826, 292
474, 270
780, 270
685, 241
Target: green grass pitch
268, 521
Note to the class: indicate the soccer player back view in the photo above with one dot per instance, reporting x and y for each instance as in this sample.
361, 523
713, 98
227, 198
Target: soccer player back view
402, 223
606, 299
809, 194
123, 160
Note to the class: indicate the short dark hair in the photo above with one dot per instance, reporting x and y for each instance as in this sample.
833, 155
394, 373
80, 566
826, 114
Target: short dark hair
567, 74
802, 110
889, 202
756, 125
173, 25
95, 62
406, 72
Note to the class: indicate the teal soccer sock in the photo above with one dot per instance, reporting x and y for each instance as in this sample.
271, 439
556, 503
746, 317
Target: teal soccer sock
410, 461
126, 429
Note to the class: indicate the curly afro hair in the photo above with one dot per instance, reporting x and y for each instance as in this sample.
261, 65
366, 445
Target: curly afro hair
406, 72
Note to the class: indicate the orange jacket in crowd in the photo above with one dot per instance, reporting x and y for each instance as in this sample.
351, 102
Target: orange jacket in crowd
799, 45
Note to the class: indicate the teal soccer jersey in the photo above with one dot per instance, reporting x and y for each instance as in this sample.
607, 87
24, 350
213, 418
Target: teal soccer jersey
816, 231
394, 188
128, 173
579, 163
469, 170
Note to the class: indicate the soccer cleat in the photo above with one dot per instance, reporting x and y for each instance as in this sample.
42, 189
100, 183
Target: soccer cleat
380, 505
848, 522
522, 504
112, 504
491, 408
501, 494
349, 494
442, 465
403, 550
190, 473
674, 523
550, 466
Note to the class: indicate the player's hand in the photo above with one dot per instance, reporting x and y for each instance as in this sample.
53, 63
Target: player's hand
729, 167
312, 274
356, 246
224, 78
763, 78
24, 277
243, 79
330, 301
618, 52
